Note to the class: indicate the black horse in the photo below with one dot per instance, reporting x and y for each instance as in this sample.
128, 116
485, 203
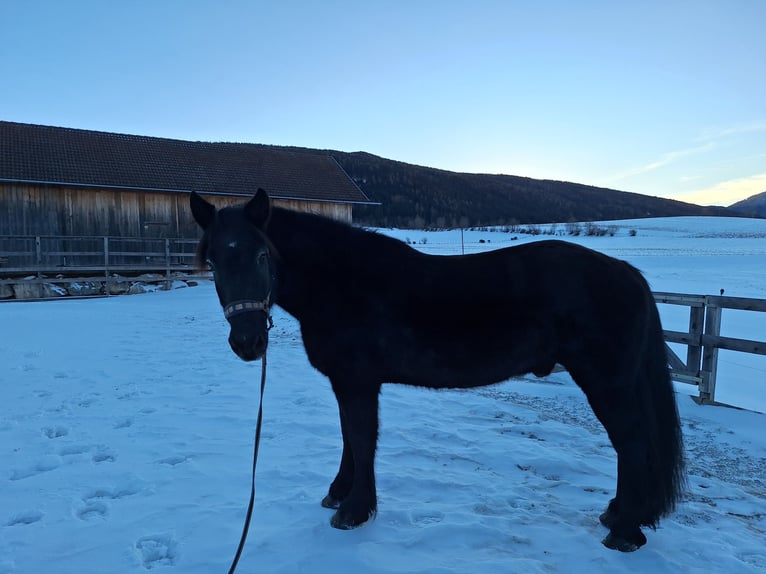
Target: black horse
372, 310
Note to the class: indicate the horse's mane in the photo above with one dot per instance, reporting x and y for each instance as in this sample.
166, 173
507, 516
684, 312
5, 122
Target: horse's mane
322, 239
335, 249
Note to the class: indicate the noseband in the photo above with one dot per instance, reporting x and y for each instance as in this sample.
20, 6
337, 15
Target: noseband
239, 307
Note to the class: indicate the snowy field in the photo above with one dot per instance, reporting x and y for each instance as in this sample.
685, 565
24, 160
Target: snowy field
126, 436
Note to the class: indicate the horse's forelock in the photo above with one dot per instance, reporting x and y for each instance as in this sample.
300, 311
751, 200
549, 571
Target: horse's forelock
200, 256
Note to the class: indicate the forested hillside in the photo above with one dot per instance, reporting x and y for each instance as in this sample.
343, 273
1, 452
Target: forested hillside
754, 205
412, 196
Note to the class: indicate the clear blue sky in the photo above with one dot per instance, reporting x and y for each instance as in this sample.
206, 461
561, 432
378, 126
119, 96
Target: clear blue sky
661, 97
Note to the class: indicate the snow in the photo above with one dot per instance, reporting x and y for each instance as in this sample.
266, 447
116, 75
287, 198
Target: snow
127, 424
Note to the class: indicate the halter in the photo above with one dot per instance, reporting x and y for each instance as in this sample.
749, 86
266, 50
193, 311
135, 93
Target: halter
238, 307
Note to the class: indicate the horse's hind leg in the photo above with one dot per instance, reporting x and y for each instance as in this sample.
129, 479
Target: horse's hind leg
341, 486
623, 516
618, 411
359, 420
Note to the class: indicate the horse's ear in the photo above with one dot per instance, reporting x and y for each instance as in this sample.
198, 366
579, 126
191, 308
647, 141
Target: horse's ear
202, 211
258, 209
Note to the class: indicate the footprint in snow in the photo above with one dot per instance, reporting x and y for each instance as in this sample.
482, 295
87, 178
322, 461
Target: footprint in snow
55, 431
173, 460
104, 455
45, 464
95, 503
424, 518
92, 510
157, 550
29, 517
115, 493
87, 401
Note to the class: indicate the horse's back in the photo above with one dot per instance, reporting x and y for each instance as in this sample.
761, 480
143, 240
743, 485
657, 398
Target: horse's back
552, 275
478, 319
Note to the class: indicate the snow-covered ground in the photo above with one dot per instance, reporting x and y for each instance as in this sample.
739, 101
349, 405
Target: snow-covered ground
126, 429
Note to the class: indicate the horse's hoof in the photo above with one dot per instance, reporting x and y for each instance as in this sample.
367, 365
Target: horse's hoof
616, 542
330, 501
341, 522
345, 521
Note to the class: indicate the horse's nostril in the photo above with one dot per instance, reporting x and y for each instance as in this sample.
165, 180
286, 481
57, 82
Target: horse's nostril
248, 347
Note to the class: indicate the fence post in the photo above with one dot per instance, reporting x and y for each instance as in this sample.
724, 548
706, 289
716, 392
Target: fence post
710, 352
38, 256
106, 265
167, 263
694, 350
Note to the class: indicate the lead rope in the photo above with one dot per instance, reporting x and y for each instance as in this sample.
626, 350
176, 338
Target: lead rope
255, 461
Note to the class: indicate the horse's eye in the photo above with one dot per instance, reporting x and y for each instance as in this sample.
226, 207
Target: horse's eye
262, 258
210, 264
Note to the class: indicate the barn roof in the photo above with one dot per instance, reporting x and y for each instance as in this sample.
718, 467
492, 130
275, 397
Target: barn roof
73, 157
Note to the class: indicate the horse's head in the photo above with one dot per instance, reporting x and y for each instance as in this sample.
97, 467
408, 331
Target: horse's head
240, 255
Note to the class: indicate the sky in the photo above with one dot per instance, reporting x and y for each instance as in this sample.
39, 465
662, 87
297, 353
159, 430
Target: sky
664, 98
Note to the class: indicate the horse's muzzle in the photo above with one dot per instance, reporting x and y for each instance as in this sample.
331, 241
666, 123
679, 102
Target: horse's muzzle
249, 347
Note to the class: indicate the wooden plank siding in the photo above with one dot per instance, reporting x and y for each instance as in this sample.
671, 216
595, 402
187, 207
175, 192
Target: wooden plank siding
337, 211
30, 210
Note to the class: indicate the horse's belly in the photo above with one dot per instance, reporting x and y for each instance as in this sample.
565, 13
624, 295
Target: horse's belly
468, 363
430, 357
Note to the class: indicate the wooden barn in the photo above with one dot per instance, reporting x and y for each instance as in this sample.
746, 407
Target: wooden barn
70, 182
62, 190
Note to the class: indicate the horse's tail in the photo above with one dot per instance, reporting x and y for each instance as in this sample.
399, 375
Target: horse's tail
666, 473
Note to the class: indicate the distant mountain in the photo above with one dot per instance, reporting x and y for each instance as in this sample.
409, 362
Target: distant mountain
754, 205
412, 196
417, 197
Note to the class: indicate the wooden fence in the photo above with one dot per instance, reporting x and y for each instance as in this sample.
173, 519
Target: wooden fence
72, 259
703, 338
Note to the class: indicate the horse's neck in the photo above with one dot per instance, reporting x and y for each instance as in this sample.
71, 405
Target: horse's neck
321, 259
305, 247
301, 240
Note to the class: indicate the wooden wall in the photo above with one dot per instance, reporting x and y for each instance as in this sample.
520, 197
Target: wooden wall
71, 211
337, 211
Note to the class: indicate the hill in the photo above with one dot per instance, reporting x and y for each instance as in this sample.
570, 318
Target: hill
754, 205
412, 196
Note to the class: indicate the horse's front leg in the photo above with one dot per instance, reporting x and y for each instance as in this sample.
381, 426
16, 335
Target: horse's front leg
341, 486
359, 421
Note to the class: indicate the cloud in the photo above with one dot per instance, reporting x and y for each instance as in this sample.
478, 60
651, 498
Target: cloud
726, 192
709, 140
665, 159
713, 135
